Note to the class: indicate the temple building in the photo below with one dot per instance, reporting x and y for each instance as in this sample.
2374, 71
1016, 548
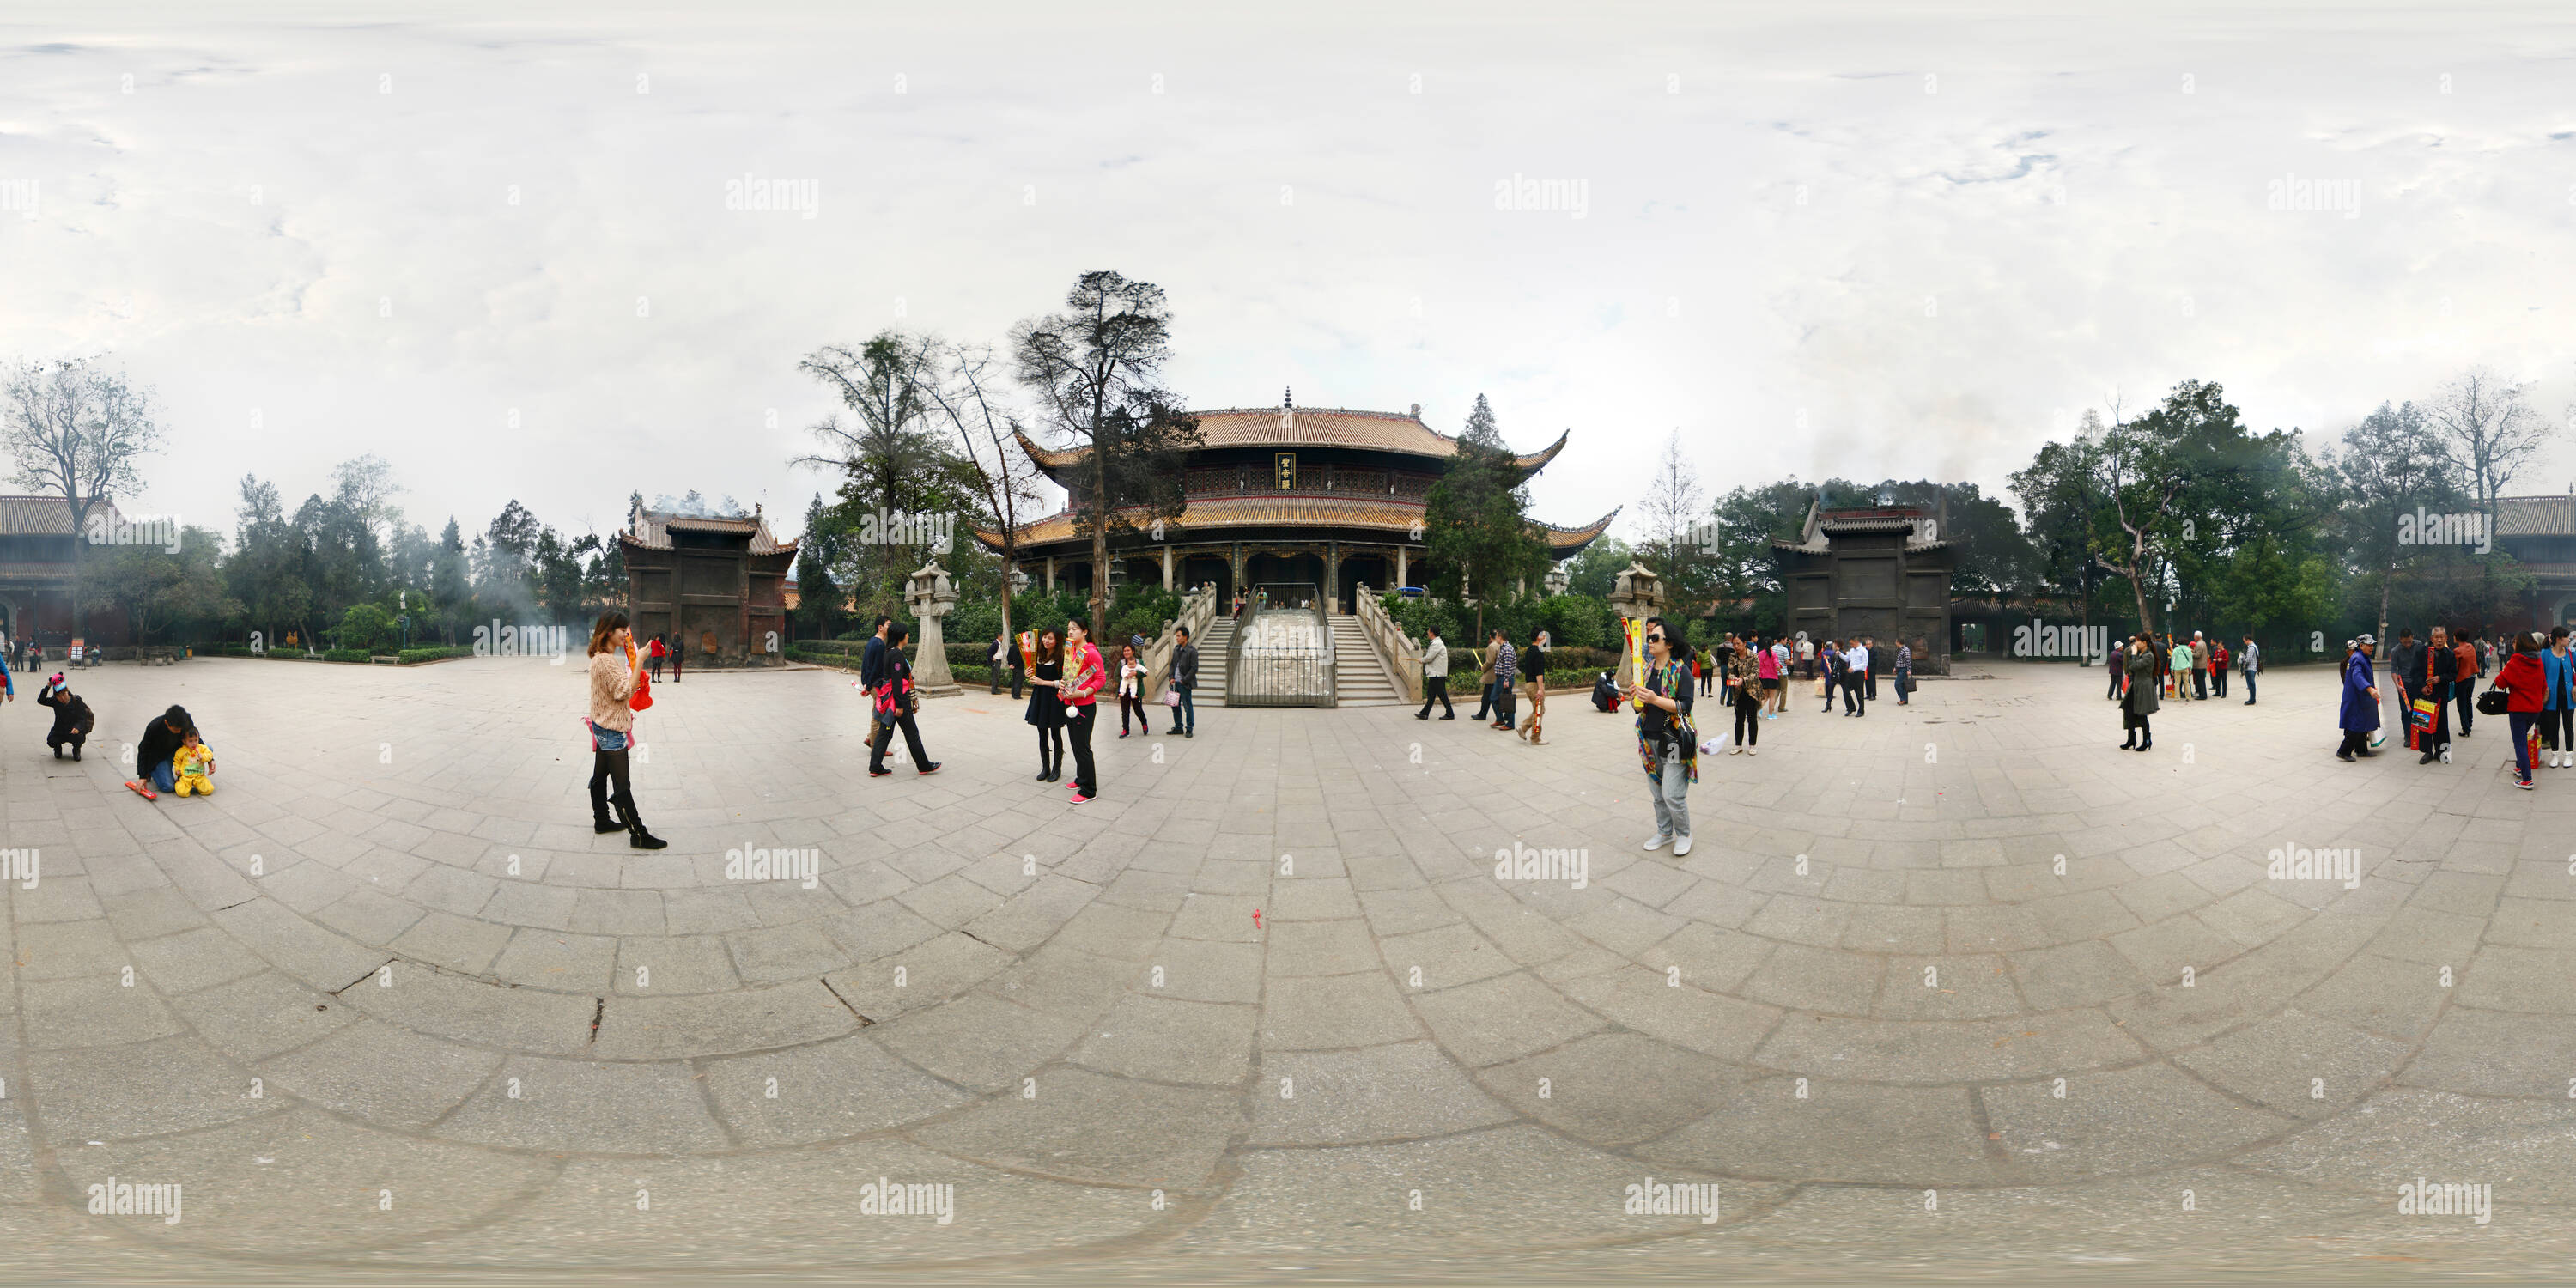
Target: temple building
717, 584
1877, 572
36, 552
1279, 494
2540, 533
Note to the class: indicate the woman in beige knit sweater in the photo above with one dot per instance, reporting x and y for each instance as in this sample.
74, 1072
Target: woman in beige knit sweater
614, 669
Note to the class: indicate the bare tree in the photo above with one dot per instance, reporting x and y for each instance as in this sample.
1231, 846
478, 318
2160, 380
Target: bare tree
1674, 503
2492, 429
76, 430
892, 459
1004, 478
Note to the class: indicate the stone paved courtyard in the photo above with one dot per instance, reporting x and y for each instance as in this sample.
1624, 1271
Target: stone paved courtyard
1916, 1000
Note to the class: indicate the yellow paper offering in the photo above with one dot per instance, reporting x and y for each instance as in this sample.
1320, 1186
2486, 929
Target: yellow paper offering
1637, 656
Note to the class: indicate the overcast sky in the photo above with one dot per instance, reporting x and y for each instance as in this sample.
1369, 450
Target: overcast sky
1860, 240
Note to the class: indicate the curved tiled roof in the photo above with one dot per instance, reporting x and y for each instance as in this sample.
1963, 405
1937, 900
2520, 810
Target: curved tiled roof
652, 531
1380, 431
2536, 516
1297, 511
44, 516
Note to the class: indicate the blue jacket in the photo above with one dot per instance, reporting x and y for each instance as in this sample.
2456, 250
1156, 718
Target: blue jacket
2560, 674
2359, 712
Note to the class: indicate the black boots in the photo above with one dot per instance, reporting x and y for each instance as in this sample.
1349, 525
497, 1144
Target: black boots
2132, 743
636, 837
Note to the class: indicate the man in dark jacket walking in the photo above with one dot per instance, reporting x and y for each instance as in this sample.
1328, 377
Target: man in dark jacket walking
72, 719
1185, 677
872, 656
2435, 668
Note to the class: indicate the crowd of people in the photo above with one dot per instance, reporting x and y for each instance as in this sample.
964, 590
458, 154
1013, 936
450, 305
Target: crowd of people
2534, 689
2149, 670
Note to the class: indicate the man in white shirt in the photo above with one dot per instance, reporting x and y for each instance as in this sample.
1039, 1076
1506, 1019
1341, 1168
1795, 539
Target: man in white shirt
1435, 677
1856, 684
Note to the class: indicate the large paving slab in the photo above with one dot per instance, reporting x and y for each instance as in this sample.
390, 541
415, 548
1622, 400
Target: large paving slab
1955, 976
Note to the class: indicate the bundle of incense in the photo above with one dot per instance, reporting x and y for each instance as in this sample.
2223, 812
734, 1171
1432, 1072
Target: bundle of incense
1637, 656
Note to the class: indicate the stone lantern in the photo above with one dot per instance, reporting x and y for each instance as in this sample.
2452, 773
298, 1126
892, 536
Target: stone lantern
1635, 594
930, 598
1558, 580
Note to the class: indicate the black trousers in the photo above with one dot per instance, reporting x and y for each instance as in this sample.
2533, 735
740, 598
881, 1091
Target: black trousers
884, 742
72, 738
1748, 723
2439, 736
2355, 742
1078, 721
2558, 729
1051, 748
1435, 688
2218, 680
2117, 674
1829, 691
1869, 686
1855, 696
2465, 693
607, 768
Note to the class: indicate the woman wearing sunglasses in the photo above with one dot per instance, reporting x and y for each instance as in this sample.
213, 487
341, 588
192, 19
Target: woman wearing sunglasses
1666, 740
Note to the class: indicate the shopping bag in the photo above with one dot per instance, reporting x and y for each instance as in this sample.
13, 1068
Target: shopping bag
1171, 697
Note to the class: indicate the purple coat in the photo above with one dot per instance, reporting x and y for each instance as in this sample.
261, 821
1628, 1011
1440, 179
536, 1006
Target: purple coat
2359, 712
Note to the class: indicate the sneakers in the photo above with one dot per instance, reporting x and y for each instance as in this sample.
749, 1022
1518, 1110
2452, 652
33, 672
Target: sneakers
931, 768
1080, 799
1658, 841
1753, 751
1681, 846
880, 773
2523, 782
1735, 751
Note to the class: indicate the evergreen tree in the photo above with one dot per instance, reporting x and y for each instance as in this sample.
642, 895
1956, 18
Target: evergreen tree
1476, 520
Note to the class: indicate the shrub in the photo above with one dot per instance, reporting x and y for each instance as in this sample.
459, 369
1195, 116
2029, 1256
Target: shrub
364, 627
411, 656
344, 655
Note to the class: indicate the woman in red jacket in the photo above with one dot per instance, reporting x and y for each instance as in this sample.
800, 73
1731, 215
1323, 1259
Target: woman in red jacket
1083, 677
2525, 685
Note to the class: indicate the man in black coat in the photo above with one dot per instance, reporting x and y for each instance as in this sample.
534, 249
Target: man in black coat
2435, 668
872, 656
72, 718
161, 740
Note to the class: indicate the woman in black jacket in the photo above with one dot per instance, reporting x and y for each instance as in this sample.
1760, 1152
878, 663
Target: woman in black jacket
1046, 708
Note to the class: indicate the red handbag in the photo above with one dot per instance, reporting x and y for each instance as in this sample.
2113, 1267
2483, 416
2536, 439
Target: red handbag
642, 698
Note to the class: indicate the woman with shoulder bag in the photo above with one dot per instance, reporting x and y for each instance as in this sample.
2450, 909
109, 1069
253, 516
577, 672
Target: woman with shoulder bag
1046, 704
897, 702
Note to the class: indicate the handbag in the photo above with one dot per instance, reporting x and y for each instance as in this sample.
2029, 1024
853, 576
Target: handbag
2493, 702
1171, 697
642, 698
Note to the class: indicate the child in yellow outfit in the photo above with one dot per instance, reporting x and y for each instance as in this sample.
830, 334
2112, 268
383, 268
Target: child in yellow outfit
193, 765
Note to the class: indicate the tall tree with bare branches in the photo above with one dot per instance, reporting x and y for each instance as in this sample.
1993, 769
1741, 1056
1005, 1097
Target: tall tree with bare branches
1675, 506
2492, 429
76, 429
1003, 477
1096, 372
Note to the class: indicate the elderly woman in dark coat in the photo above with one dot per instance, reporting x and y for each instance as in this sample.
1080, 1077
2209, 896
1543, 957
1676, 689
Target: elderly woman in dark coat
2360, 700
2140, 702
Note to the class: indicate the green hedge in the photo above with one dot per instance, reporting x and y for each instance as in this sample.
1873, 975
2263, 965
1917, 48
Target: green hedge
344, 655
415, 655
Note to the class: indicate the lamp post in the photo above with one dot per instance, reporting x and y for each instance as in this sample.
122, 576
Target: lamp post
1637, 593
930, 597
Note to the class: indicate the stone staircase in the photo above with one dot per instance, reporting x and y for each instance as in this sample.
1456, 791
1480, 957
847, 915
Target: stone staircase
1359, 678
1220, 636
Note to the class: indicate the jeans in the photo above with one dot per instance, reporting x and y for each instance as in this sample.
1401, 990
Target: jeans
1185, 717
163, 782
1435, 688
2249, 688
1503, 712
1078, 722
1485, 700
2523, 723
1904, 686
1672, 796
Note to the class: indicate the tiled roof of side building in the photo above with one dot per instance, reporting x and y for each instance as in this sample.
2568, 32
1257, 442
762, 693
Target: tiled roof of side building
2536, 516
43, 516
652, 530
